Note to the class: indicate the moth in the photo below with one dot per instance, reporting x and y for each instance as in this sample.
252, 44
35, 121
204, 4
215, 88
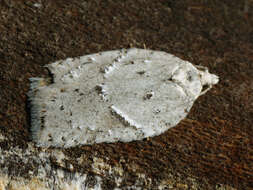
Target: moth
121, 95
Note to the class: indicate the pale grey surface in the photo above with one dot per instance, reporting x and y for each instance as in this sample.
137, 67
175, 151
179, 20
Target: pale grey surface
121, 95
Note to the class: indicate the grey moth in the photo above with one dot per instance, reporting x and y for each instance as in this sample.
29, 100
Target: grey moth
122, 95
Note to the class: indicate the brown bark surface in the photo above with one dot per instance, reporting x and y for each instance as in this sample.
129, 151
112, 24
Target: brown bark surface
214, 145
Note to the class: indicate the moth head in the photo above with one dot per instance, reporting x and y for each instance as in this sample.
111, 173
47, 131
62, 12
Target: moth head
208, 78
194, 80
